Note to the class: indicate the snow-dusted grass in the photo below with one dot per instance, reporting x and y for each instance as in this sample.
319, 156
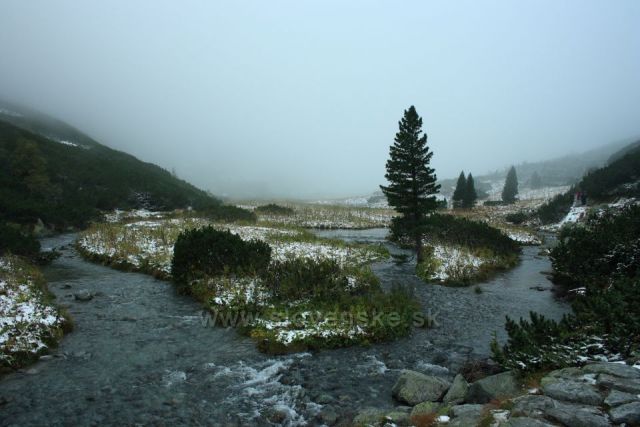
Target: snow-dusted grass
328, 216
29, 323
147, 245
459, 266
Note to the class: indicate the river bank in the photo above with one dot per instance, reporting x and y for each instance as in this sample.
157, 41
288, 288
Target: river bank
139, 353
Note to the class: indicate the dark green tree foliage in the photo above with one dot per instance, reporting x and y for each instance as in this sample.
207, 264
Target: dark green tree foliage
470, 195
207, 252
67, 186
603, 258
607, 246
510, 190
412, 183
14, 242
459, 192
535, 182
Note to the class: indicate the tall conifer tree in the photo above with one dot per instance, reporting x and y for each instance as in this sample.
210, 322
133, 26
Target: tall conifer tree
510, 190
412, 182
470, 195
461, 188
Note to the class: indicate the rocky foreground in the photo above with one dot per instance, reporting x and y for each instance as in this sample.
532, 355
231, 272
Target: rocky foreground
598, 394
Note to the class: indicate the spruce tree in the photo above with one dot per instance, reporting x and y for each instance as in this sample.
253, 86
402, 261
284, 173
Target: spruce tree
470, 195
535, 182
458, 194
412, 183
510, 190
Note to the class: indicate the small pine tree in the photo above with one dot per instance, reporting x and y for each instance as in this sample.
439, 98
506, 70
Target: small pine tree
458, 194
412, 183
535, 182
470, 195
510, 190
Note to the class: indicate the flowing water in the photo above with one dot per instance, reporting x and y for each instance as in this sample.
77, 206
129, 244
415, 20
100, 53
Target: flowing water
140, 355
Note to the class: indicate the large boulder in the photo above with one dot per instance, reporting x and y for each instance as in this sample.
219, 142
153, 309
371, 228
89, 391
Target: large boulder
628, 413
498, 386
425, 408
369, 416
457, 391
531, 405
413, 388
562, 374
574, 392
577, 415
627, 385
525, 422
617, 398
465, 415
615, 369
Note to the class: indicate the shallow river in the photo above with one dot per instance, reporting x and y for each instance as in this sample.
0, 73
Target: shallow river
140, 355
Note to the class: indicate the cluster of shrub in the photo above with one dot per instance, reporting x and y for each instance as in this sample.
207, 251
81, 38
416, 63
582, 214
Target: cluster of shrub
598, 264
318, 285
274, 209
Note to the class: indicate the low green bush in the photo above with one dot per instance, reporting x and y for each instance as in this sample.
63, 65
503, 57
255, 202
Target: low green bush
204, 252
229, 213
15, 242
555, 209
516, 218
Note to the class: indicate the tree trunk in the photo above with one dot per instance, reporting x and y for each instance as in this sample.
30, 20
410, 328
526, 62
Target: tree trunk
419, 248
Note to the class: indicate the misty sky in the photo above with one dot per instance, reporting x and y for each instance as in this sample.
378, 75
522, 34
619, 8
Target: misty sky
302, 98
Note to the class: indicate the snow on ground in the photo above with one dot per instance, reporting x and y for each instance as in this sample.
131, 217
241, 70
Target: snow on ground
579, 213
523, 237
452, 262
525, 193
26, 322
149, 244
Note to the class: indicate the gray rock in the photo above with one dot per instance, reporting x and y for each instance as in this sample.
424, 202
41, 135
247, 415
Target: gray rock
617, 398
83, 295
465, 411
573, 391
328, 416
525, 422
369, 416
561, 374
425, 408
457, 391
496, 386
576, 415
465, 415
615, 369
617, 383
532, 405
413, 388
628, 413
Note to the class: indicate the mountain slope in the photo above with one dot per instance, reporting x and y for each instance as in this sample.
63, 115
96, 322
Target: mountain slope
53, 172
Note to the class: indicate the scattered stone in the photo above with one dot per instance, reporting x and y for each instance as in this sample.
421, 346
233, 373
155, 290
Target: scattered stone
399, 416
324, 399
465, 415
496, 386
561, 374
83, 295
425, 408
531, 405
46, 357
574, 392
538, 288
615, 369
617, 398
628, 413
328, 416
413, 387
369, 416
525, 422
577, 416
457, 391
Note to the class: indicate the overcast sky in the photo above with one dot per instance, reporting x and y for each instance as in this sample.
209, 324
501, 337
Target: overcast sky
302, 98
